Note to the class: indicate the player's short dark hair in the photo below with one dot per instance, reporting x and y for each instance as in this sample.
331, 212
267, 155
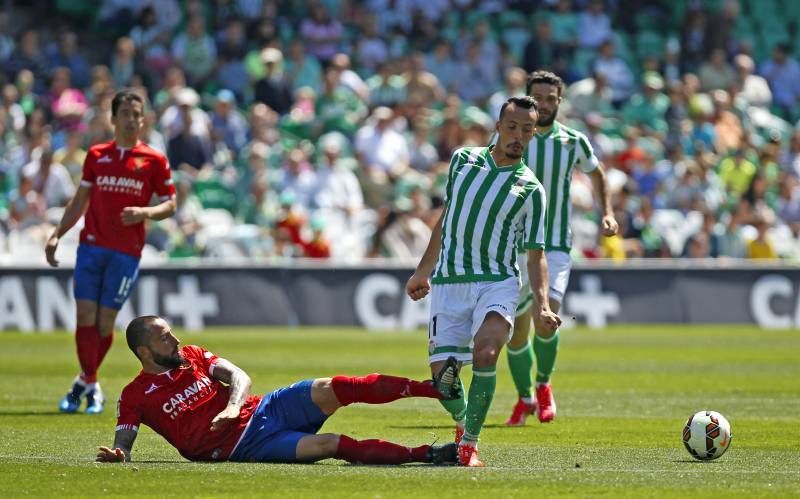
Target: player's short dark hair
523, 101
547, 77
138, 330
125, 96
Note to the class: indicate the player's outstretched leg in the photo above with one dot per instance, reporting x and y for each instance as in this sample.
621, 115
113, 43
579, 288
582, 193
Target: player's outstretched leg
373, 451
520, 363
380, 389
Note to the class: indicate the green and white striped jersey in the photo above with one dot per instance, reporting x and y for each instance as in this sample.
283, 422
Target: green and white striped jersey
551, 157
489, 211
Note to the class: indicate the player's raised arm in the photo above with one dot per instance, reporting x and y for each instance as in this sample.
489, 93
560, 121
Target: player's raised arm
72, 213
239, 386
121, 450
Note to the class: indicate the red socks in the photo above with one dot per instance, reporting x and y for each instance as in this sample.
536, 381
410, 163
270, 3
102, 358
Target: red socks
103, 347
379, 452
380, 389
92, 349
86, 339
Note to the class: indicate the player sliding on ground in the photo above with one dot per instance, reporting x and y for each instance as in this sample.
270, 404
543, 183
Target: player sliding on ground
200, 404
493, 202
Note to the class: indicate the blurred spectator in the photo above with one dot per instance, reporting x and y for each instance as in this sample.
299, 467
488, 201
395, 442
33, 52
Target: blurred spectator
122, 62
648, 108
72, 155
67, 104
185, 151
380, 147
318, 245
616, 72
716, 73
150, 40
386, 88
338, 108
422, 86
753, 89
299, 179
301, 70
589, 95
541, 51
195, 51
6, 40
761, 248
423, 156
728, 128
51, 180
173, 120
564, 27
594, 25
371, 49
28, 55
736, 172
349, 78
441, 63
475, 78
514, 85
227, 123
337, 193
273, 90
783, 74
321, 34
66, 54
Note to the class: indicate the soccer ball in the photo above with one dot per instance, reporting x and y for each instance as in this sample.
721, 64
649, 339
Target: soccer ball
707, 435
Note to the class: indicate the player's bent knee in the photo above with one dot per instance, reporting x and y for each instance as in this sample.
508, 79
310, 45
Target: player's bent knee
316, 447
324, 397
485, 355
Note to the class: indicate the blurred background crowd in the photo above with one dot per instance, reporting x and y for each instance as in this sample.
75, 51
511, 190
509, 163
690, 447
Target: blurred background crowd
323, 128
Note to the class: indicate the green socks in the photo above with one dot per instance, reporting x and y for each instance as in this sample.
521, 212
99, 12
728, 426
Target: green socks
481, 392
545, 350
521, 364
458, 407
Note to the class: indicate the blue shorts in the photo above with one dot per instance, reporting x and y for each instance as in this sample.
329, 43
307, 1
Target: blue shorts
104, 276
283, 417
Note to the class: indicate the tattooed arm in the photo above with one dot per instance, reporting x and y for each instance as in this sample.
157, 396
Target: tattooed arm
239, 385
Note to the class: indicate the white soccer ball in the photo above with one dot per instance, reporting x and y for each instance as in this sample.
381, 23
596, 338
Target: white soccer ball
707, 435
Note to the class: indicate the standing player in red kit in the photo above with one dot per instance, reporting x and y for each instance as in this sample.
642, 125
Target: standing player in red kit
200, 404
119, 179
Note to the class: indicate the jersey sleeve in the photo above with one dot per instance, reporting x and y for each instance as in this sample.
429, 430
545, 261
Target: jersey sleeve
162, 180
88, 175
129, 414
200, 356
535, 219
586, 159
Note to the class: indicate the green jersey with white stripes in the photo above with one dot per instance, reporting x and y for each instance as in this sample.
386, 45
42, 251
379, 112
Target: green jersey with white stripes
552, 157
490, 211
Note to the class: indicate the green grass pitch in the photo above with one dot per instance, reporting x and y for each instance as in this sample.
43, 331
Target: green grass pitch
623, 394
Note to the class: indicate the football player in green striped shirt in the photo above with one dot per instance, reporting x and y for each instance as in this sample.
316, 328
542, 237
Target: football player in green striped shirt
493, 206
552, 154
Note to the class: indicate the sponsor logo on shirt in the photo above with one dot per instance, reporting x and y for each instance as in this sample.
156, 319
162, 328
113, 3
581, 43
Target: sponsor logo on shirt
127, 185
184, 400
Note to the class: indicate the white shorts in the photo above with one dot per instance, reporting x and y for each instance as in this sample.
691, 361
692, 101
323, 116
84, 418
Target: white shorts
559, 265
458, 310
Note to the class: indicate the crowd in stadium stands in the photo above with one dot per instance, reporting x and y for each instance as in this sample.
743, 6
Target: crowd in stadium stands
323, 128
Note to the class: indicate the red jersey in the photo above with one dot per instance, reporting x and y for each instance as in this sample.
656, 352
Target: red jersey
180, 404
120, 178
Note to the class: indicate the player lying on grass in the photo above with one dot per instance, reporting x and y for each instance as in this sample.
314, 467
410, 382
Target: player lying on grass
200, 404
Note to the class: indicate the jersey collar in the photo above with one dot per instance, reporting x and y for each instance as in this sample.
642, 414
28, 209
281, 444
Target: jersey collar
553, 129
489, 159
